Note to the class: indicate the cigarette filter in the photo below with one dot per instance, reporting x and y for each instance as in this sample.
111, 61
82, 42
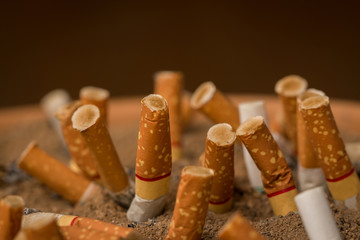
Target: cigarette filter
238, 228
192, 202
98, 97
153, 159
215, 105
81, 223
316, 215
11, 210
341, 178
309, 171
50, 103
186, 110
276, 175
246, 111
219, 156
169, 84
78, 149
88, 121
55, 174
288, 88
43, 229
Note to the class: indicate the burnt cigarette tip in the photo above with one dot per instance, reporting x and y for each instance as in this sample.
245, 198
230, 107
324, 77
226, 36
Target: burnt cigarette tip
291, 86
314, 102
94, 93
155, 102
85, 117
221, 134
250, 126
198, 171
202, 95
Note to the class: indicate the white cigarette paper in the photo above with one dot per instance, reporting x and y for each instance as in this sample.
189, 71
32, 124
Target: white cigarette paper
310, 177
316, 215
248, 110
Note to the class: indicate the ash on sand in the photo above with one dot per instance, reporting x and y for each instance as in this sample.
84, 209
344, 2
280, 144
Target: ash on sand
251, 204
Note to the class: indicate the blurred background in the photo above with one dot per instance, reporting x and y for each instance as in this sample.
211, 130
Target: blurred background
242, 46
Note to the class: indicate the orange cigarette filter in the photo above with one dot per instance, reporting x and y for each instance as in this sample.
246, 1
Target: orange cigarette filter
288, 89
54, 174
74, 233
11, 211
186, 110
341, 178
98, 97
44, 229
153, 158
169, 84
192, 202
306, 154
219, 156
239, 228
78, 149
215, 105
88, 121
276, 175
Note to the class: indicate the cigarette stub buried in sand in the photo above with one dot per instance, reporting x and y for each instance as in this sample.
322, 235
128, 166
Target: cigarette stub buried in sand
288, 89
219, 156
96, 96
316, 215
341, 178
11, 210
192, 202
153, 160
238, 228
215, 105
43, 229
88, 121
70, 225
248, 110
55, 175
77, 147
309, 171
169, 84
276, 175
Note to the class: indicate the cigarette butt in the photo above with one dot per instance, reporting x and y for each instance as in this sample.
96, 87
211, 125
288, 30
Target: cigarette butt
248, 110
83, 223
288, 88
219, 156
186, 110
202, 160
50, 103
316, 215
237, 228
341, 178
11, 210
43, 229
77, 147
169, 84
192, 202
309, 171
96, 96
87, 120
153, 158
74, 233
215, 105
54, 174
276, 175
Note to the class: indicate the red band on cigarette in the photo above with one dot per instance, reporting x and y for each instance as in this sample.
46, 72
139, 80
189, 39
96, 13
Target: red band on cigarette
153, 179
219, 203
73, 221
340, 178
281, 192
176, 144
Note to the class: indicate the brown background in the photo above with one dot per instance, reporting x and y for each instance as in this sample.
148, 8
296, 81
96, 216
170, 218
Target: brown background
244, 47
